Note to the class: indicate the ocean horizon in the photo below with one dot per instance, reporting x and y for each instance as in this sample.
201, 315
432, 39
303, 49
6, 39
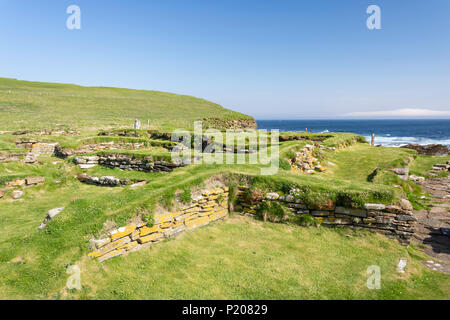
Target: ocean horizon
388, 132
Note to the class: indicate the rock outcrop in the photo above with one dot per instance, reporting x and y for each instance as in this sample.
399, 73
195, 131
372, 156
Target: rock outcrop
430, 149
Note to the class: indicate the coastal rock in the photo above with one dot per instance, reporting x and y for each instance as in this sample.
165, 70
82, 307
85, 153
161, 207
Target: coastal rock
430, 149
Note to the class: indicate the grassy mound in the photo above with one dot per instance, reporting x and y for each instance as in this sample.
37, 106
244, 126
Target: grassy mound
36, 105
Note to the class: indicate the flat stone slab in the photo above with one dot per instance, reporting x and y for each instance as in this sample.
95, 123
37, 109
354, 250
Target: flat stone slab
86, 166
437, 266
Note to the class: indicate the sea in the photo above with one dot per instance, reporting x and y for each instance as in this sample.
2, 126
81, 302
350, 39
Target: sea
391, 133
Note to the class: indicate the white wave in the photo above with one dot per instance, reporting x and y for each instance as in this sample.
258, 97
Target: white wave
325, 131
389, 141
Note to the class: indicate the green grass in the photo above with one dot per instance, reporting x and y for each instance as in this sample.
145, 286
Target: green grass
422, 165
357, 162
273, 261
36, 105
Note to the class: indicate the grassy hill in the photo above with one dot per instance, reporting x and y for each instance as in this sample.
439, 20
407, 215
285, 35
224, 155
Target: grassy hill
38, 105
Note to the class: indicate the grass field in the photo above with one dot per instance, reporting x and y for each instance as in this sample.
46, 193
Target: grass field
36, 105
238, 258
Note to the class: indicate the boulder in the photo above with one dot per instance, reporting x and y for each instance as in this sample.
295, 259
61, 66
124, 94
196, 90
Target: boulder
402, 173
50, 215
17, 194
16, 183
406, 205
30, 181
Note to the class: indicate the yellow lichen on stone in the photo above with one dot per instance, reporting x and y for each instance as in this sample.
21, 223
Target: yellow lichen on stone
148, 230
123, 232
222, 213
102, 242
163, 218
128, 246
109, 247
152, 237
176, 214
192, 210
166, 225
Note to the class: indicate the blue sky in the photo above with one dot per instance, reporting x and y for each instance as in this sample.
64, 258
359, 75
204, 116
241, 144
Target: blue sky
270, 59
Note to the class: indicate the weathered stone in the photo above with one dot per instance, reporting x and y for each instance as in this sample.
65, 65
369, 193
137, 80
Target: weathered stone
402, 265
110, 247
272, 196
320, 213
163, 218
374, 206
352, 212
17, 194
152, 237
110, 255
100, 242
404, 217
86, 166
406, 205
16, 183
34, 180
122, 232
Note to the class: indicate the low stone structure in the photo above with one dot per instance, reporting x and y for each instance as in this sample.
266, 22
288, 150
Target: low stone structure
232, 124
212, 205
47, 132
127, 162
395, 220
306, 161
89, 148
27, 182
442, 167
305, 137
35, 149
11, 157
122, 133
106, 181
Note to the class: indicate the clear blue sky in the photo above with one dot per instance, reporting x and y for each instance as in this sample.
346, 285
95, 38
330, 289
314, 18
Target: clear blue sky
270, 59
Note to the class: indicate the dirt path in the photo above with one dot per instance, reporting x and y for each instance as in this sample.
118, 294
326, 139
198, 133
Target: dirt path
433, 225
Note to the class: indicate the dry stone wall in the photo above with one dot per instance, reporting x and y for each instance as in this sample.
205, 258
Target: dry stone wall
127, 162
65, 153
212, 205
395, 220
